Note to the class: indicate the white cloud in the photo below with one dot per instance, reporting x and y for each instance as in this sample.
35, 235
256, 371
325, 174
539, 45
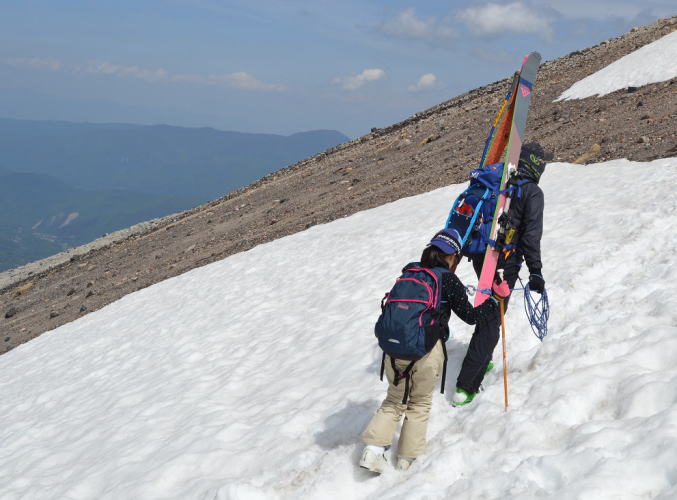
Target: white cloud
106, 68
605, 9
409, 27
427, 82
492, 20
239, 80
352, 82
242, 80
35, 62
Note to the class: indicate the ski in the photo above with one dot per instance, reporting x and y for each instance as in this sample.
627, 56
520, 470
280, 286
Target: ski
496, 139
516, 120
491, 144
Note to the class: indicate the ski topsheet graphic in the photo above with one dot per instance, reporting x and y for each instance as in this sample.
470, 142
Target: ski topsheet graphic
498, 137
506, 144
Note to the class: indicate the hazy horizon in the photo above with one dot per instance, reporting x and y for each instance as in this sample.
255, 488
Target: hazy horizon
260, 66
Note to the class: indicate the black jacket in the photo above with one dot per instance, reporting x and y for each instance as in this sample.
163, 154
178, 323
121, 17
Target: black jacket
455, 298
526, 216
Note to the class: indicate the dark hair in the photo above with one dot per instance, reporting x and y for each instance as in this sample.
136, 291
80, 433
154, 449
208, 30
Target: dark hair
433, 257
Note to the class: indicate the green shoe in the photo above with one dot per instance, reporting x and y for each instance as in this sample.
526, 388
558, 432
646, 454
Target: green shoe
490, 367
462, 398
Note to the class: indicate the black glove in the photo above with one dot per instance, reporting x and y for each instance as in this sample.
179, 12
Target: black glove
536, 283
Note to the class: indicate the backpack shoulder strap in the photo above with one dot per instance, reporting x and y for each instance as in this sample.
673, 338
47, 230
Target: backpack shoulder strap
444, 370
383, 365
406, 375
440, 272
515, 184
411, 265
521, 182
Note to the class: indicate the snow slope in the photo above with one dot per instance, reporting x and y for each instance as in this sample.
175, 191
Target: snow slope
253, 377
655, 62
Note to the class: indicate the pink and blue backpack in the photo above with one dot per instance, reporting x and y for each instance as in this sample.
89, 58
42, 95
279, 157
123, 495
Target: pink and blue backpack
409, 325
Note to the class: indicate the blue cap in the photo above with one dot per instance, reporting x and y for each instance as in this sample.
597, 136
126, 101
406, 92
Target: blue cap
447, 240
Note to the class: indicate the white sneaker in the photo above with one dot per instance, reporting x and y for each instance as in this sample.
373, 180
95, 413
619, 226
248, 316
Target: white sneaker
404, 463
374, 458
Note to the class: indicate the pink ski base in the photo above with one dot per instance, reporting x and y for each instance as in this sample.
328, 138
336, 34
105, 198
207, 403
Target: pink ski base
491, 255
502, 205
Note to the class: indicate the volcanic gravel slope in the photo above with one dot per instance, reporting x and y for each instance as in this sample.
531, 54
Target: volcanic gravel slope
431, 149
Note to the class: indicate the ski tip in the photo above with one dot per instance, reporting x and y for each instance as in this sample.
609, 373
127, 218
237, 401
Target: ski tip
532, 55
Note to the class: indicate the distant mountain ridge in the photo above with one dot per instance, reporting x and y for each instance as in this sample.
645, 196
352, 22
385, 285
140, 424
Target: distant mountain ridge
63, 184
40, 215
203, 163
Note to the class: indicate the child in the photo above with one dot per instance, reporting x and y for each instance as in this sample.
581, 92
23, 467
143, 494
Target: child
443, 251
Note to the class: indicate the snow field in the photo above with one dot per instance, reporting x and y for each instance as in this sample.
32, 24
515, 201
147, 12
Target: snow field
254, 376
654, 62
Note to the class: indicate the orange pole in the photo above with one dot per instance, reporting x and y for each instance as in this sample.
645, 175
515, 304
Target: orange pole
505, 357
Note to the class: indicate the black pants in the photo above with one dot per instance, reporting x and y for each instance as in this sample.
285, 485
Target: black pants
486, 334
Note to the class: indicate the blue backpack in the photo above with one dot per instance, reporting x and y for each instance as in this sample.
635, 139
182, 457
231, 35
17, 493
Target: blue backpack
473, 210
409, 325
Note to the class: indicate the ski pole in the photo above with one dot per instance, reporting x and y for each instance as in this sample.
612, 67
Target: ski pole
505, 357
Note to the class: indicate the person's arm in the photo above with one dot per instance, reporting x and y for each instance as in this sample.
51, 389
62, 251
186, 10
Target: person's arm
453, 292
532, 230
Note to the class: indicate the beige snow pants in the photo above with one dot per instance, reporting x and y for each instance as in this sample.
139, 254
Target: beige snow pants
383, 425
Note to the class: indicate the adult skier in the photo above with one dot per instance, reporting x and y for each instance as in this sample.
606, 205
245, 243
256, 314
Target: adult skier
524, 223
443, 251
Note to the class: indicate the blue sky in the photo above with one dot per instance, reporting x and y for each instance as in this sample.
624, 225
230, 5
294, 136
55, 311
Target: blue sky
279, 66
